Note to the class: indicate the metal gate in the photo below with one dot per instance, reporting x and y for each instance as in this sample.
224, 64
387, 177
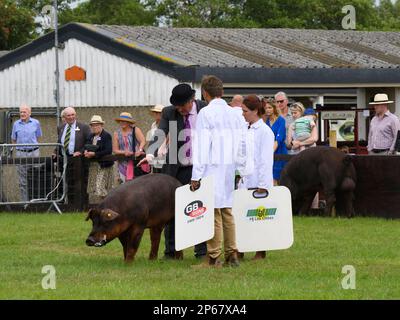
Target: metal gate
33, 173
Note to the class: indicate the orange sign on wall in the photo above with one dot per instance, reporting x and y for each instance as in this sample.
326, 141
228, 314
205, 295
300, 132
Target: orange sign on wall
75, 73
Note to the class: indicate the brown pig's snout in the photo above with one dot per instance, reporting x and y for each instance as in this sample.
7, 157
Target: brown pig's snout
90, 241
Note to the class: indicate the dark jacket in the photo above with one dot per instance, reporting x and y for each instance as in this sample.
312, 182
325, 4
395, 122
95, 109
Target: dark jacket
81, 136
169, 116
104, 148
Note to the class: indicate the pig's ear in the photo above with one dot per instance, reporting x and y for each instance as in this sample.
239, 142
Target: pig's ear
90, 214
109, 215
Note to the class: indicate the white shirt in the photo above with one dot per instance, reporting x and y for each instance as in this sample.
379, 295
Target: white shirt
71, 146
260, 157
219, 149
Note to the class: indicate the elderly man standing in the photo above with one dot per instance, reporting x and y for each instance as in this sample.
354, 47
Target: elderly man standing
282, 102
73, 136
383, 128
219, 138
26, 130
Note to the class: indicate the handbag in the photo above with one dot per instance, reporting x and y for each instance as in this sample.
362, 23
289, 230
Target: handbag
91, 147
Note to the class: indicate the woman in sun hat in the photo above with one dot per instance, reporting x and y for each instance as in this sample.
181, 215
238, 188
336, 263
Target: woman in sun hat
153, 137
99, 144
129, 141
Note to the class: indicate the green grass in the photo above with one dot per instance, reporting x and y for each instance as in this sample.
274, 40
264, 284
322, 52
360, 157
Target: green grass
311, 269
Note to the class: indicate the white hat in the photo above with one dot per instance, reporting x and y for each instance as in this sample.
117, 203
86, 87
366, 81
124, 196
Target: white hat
381, 98
157, 108
96, 119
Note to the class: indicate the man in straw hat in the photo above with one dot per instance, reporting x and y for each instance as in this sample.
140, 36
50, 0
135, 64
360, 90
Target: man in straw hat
383, 128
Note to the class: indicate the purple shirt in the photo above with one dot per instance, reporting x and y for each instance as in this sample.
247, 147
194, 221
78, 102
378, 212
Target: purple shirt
383, 132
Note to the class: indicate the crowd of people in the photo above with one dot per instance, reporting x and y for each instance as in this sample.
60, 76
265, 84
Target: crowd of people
192, 139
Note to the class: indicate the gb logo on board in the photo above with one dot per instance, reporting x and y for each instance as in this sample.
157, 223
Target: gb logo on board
195, 210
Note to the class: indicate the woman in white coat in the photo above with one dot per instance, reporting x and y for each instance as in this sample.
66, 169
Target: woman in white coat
259, 151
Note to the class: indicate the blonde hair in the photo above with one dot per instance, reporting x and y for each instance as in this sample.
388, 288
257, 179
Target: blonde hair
298, 106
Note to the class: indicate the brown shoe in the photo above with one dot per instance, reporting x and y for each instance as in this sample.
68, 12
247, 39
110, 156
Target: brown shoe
208, 262
260, 255
232, 260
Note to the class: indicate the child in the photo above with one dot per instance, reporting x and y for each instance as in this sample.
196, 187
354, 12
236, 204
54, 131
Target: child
304, 125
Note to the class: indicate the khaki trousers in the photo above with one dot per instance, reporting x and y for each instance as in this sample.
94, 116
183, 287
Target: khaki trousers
224, 227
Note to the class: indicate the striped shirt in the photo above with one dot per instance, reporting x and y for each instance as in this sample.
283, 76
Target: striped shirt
383, 132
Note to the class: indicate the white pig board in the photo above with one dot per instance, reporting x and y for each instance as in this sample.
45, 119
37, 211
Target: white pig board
263, 223
194, 214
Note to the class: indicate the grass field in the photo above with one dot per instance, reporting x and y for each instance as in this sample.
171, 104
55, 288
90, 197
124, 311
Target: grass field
311, 269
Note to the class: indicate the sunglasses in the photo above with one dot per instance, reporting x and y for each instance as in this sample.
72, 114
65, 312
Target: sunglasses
280, 101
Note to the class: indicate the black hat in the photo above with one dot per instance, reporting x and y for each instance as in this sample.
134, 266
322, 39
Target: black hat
181, 94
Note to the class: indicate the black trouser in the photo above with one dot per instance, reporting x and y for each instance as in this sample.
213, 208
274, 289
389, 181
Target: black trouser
184, 176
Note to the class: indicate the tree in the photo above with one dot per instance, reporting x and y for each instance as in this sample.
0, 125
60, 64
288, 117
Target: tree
118, 12
308, 14
17, 25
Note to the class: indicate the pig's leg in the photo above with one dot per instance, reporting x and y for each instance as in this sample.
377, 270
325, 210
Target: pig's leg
307, 201
134, 237
155, 236
348, 203
329, 185
123, 238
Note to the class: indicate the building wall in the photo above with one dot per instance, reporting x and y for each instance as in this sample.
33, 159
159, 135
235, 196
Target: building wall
110, 80
142, 116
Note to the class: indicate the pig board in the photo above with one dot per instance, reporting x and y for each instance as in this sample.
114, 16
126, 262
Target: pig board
263, 223
194, 214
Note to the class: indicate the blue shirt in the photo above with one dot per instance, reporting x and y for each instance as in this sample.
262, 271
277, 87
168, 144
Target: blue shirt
71, 145
279, 130
26, 132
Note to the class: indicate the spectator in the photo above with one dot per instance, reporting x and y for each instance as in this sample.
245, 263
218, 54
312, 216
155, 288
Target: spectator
260, 152
293, 144
129, 141
72, 134
303, 126
277, 123
219, 131
282, 102
153, 136
383, 128
27, 131
99, 145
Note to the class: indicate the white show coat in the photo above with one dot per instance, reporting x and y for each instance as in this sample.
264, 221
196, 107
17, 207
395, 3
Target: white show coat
260, 157
219, 149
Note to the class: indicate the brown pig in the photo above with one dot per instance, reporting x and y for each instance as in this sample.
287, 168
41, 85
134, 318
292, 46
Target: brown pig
145, 202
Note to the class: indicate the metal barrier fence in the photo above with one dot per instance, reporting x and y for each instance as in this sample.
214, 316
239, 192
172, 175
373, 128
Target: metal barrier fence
33, 173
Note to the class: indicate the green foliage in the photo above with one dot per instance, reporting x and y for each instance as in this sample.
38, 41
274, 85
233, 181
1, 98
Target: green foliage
117, 12
16, 25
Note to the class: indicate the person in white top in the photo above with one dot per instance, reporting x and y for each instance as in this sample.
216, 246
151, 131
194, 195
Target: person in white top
260, 152
236, 104
218, 151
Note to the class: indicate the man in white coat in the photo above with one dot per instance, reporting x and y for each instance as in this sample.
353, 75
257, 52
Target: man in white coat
218, 150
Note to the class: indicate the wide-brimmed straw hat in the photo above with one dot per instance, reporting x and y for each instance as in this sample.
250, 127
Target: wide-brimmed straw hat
96, 120
381, 98
157, 108
125, 116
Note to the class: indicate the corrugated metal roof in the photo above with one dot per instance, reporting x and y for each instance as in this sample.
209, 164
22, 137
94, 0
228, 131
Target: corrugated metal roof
272, 48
